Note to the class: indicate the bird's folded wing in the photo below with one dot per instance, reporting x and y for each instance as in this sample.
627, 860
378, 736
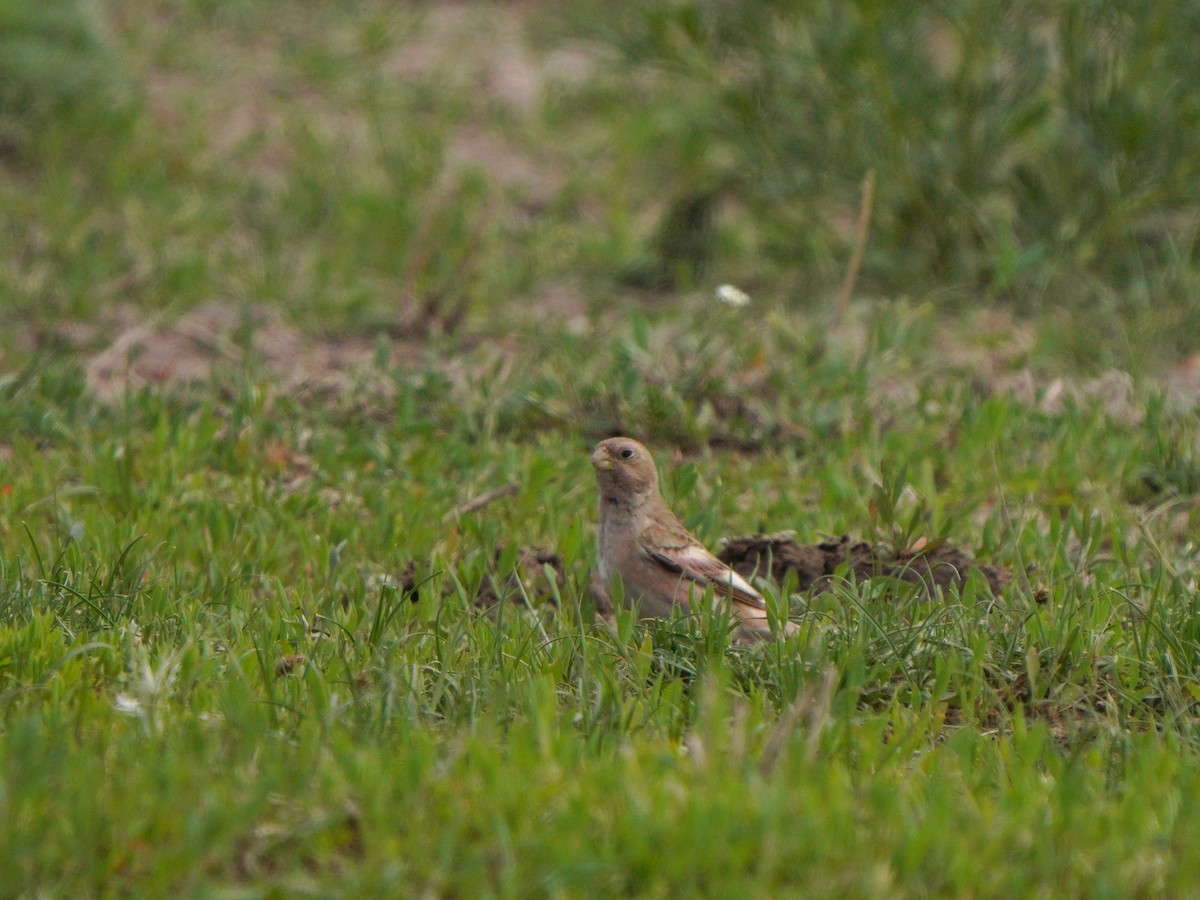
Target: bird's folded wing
697, 564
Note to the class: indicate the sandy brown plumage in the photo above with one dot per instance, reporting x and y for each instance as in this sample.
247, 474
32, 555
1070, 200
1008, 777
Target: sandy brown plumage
660, 564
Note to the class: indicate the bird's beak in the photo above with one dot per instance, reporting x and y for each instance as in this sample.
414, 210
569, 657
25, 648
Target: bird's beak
601, 463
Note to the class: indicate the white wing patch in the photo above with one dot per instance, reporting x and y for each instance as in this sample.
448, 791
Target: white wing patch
737, 582
699, 565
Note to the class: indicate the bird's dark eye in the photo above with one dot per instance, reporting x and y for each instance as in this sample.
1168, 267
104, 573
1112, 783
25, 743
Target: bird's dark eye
627, 453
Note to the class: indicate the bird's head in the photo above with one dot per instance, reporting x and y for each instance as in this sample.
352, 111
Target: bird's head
624, 470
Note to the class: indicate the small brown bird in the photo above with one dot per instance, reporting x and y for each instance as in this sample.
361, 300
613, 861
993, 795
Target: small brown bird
660, 564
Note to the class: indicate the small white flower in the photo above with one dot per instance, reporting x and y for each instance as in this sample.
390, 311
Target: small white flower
128, 704
733, 296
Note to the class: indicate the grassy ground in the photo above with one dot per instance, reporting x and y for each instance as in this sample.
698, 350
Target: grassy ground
294, 289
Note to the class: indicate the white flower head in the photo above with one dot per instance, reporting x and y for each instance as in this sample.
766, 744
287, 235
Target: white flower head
732, 295
128, 704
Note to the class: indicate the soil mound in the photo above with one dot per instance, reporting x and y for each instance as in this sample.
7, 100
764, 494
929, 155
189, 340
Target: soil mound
934, 564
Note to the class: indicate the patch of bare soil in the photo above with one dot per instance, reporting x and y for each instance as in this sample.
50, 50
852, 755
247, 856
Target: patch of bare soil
993, 348
934, 566
1183, 383
537, 578
255, 95
191, 348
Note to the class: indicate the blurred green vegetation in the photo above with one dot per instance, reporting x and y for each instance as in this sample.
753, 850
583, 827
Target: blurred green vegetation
1042, 156
55, 64
1045, 154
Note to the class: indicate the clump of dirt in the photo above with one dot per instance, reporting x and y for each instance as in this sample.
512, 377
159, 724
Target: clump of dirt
528, 578
407, 581
290, 663
935, 565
